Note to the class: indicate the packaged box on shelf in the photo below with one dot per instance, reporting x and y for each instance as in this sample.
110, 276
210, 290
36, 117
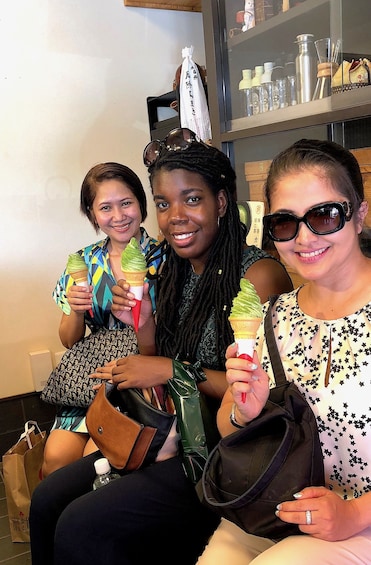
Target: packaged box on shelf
264, 9
255, 174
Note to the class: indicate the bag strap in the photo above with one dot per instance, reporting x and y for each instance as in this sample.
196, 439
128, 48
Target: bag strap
29, 427
278, 370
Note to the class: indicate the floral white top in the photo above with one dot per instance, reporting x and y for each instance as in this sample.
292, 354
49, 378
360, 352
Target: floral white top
310, 349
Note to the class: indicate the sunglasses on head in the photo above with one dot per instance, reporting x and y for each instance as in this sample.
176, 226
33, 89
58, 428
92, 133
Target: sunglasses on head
322, 219
177, 140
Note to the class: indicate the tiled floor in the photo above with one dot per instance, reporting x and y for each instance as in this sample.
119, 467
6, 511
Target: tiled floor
10, 553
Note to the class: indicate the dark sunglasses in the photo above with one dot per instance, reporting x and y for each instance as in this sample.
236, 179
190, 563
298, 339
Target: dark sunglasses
322, 219
177, 140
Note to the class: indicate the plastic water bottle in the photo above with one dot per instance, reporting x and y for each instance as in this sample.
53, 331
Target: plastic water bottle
278, 79
245, 93
291, 87
266, 88
255, 93
104, 473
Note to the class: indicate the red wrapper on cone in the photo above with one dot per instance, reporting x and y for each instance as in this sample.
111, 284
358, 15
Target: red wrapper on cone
136, 281
244, 330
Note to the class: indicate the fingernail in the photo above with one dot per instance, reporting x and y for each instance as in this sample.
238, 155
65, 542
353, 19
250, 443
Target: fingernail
278, 507
277, 513
253, 367
298, 495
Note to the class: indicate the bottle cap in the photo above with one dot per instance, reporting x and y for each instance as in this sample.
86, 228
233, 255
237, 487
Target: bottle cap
246, 79
102, 466
303, 37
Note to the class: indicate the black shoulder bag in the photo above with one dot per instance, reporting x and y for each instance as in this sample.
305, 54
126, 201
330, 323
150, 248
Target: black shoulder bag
276, 455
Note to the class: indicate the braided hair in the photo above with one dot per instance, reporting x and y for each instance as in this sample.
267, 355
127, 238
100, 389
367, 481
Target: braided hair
220, 280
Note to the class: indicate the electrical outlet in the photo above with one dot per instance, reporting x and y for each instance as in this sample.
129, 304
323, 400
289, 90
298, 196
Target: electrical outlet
57, 357
41, 367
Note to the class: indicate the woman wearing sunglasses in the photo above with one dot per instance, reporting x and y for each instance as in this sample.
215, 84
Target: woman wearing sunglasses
154, 513
315, 194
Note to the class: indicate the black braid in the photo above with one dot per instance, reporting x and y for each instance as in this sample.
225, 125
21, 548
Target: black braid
220, 281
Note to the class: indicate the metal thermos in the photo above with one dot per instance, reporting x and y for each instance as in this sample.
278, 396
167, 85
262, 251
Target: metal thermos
305, 67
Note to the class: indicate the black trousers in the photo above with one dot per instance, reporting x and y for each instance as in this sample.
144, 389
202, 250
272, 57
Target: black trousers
148, 515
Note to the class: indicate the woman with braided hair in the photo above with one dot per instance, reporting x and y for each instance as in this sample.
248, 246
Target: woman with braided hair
155, 510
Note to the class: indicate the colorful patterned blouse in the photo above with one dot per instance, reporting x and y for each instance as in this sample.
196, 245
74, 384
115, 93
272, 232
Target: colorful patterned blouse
100, 276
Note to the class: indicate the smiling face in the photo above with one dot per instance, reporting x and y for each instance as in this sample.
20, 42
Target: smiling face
314, 257
187, 213
116, 211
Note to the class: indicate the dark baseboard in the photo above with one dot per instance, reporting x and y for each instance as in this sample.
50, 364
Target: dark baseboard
16, 411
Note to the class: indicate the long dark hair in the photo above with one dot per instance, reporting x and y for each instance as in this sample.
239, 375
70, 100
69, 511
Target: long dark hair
220, 280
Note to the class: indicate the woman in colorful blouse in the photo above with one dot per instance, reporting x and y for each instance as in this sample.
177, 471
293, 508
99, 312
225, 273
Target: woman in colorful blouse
114, 201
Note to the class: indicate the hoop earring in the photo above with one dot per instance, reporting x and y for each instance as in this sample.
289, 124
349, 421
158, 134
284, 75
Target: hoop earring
218, 221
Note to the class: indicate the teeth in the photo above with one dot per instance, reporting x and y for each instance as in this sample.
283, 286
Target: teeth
312, 253
182, 235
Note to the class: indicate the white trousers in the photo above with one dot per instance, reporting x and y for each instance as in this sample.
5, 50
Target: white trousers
231, 545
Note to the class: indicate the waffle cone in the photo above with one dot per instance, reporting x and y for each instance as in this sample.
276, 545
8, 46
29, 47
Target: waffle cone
80, 276
244, 328
135, 278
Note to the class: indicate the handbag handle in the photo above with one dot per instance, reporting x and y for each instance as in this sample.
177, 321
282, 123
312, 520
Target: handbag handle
278, 370
280, 456
29, 427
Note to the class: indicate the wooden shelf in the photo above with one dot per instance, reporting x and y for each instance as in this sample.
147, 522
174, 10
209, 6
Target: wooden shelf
183, 5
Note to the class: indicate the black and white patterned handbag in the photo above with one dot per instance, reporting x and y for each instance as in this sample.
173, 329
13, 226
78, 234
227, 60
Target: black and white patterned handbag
69, 384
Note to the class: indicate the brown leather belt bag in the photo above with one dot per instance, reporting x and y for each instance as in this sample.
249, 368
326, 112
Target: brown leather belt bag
127, 429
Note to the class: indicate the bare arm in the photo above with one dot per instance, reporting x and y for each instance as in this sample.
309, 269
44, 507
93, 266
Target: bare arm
71, 328
269, 277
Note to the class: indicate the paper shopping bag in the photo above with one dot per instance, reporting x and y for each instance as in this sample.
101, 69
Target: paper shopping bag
22, 473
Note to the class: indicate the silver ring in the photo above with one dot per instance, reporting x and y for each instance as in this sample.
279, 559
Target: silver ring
308, 517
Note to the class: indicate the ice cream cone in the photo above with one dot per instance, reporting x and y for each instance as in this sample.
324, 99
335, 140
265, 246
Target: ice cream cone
135, 278
245, 317
136, 281
80, 276
134, 268
81, 279
244, 328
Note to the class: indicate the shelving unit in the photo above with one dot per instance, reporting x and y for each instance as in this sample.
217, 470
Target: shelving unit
251, 142
227, 55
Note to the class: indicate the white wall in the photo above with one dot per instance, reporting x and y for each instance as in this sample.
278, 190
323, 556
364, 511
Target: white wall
74, 78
